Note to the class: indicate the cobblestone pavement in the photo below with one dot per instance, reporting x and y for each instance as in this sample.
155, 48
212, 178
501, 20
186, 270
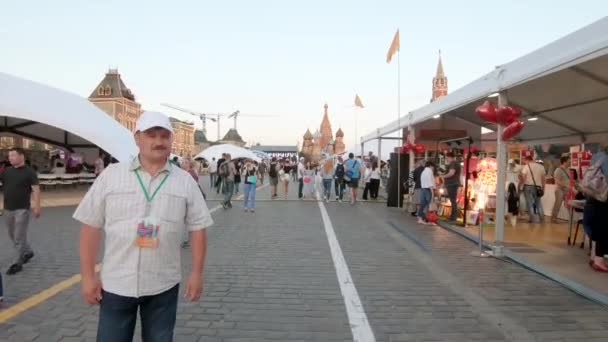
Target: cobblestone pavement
270, 277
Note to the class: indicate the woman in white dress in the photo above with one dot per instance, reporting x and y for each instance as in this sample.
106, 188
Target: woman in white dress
284, 176
309, 181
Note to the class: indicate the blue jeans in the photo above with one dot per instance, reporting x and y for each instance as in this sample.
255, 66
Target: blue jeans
425, 200
532, 201
452, 194
17, 222
212, 180
249, 193
118, 314
228, 191
339, 186
300, 187
327, 188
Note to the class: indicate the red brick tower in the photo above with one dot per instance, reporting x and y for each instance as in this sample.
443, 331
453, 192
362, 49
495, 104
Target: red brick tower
440, 82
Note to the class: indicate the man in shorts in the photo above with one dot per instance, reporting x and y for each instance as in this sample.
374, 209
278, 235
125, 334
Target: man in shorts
273, 176
353, 172
262, 168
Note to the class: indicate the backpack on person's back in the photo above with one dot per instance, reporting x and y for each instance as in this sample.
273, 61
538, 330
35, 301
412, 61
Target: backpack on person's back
272, 172
340, 171
224, 170
594, 183
352, 170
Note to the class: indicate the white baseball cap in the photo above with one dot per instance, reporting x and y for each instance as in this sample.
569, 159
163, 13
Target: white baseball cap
149, 120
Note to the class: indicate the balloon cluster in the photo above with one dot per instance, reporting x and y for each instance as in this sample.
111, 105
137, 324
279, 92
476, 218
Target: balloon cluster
507, 116
408, 146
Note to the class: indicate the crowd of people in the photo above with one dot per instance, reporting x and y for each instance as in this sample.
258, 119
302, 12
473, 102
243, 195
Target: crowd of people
525, 187
337, 174
530, 179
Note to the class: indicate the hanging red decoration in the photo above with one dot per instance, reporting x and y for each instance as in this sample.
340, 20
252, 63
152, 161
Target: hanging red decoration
487, 112
472, 150
506, 115
419, 148
512, 130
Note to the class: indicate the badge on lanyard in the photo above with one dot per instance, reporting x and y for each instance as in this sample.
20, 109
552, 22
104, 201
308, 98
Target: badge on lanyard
147, 233
149, 226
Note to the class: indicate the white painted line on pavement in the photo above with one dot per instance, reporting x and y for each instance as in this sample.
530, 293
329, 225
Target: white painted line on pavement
359, 325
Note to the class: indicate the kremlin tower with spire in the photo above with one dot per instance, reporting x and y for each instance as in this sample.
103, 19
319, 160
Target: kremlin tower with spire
322, 141
440, 81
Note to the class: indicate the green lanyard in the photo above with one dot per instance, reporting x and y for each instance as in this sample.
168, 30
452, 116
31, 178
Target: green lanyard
141, 183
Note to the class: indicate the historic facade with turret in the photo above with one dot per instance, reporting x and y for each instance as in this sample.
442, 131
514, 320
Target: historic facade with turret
322, 141
113, 97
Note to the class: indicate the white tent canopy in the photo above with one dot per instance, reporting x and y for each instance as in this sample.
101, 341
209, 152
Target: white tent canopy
235, 152
59, 118
564, 85
262, 155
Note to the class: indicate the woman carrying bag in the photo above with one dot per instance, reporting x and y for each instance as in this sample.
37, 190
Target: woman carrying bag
249, 187
427, 180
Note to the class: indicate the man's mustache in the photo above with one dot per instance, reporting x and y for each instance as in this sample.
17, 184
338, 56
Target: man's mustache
159, 148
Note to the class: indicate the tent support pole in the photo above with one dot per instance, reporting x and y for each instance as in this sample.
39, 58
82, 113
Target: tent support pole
467, 161
412, 137
379, 152
501, 159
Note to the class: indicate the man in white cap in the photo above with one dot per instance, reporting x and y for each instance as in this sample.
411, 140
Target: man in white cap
143, 205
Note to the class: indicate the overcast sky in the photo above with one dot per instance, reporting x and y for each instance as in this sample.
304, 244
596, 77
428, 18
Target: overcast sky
284, 59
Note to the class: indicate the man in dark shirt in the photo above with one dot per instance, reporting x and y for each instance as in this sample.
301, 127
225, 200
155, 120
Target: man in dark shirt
451, 180
417, 184
20, 182
218, 183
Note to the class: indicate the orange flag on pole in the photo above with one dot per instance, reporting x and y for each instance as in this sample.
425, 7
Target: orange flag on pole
394, 48
358, 102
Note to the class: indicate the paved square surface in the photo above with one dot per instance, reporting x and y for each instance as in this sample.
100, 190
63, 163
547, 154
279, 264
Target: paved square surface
270, 276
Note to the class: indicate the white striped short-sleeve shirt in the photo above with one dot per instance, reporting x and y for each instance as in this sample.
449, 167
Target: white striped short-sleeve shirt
116, 203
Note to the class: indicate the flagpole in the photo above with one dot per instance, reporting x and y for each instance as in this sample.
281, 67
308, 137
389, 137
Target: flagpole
399, 197
356, 128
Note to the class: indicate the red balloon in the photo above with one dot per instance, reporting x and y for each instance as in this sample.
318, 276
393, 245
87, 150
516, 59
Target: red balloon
506, 115
419, 148
487, 112
512, 130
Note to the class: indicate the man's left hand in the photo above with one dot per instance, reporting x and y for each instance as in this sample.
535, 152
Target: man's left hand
36, 212
194, 287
